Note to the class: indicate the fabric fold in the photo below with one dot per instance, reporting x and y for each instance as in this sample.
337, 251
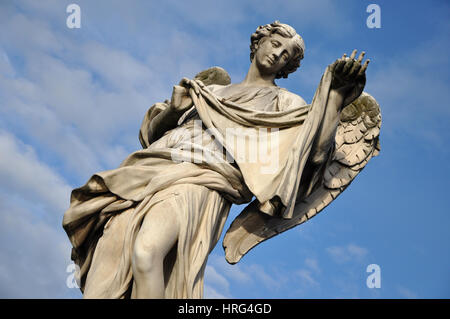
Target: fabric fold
282, 139
288, 146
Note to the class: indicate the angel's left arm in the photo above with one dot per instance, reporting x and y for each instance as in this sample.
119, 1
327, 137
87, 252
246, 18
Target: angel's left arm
347, 84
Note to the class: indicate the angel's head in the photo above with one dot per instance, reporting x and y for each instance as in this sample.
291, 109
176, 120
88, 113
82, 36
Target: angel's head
277, 48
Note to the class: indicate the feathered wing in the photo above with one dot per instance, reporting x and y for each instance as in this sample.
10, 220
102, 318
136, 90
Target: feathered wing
356, 142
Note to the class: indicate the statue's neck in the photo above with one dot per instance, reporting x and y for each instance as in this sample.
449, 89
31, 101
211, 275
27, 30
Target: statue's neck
255, 78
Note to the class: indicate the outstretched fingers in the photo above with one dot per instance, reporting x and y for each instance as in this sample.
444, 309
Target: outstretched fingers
351, 66
363, 67
356, 67
361, 56
348, 65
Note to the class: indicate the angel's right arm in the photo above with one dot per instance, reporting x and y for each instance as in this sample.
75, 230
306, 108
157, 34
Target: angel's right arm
158, 120
161, 123
162, 117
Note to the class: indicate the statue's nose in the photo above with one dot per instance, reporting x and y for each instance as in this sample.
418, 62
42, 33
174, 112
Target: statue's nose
277, 53
275, 57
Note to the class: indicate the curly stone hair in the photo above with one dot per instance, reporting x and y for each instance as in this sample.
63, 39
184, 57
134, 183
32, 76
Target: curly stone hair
286, 31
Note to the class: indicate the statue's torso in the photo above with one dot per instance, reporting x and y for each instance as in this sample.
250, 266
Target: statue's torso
260, 98
192, 135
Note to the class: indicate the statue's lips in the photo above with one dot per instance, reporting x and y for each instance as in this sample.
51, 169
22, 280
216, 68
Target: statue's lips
270, 60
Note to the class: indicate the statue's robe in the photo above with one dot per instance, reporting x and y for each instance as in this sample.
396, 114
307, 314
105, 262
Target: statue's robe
190, 172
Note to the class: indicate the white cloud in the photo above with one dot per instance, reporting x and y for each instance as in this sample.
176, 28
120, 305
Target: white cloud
406, 293
216, 279
261, 276
33, 256
348, 253
309, 13
65, 112
211, 293
308, 275
34, 250
5, 65
306, 278
412, 88
232, 272
216, 285
116, 67
224, 277
83, 101
29, 33
22, 174
312, 264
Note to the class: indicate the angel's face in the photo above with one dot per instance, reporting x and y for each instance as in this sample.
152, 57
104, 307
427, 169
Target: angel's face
273, 53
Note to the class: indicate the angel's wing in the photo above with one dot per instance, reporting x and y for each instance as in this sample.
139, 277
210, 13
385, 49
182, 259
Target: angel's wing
356, 142
214, 75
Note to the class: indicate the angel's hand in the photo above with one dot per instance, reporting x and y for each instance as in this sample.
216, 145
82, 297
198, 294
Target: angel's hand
349, 73
180, 101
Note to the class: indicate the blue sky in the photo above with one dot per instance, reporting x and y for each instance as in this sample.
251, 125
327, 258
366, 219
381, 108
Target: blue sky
72, 101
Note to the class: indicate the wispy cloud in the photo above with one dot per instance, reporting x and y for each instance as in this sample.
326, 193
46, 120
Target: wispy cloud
410, 87
309, 277
223, 277
269, 280
34, 255
34, 251
406, 293
23, 174
350, 262
306, 278
211, 293
232, 272
348, 253
216, 280
313, 264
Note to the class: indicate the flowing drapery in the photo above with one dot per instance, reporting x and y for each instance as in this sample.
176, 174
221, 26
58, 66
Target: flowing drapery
131, 188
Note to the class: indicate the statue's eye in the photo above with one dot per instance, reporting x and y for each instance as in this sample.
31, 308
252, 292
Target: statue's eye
275, 44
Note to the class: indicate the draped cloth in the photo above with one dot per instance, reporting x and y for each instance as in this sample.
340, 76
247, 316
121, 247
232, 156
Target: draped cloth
117, 201
287, 135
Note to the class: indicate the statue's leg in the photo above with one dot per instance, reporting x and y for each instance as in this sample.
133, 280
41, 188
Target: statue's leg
157, 235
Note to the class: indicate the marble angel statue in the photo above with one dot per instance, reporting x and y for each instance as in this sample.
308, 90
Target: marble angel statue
145, 229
